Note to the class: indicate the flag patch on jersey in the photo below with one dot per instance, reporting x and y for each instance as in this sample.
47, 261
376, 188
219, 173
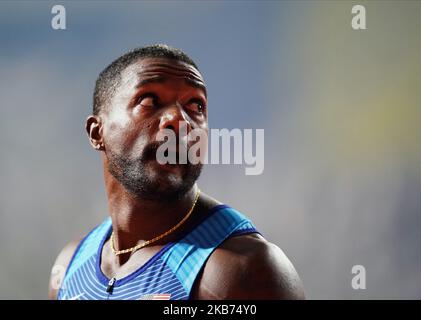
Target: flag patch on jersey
156, 296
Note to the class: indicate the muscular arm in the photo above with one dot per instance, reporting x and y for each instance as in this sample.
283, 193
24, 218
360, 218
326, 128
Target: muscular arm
59, 268
248, 267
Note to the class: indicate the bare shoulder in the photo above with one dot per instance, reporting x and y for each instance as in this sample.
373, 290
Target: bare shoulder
248, 267
59, 268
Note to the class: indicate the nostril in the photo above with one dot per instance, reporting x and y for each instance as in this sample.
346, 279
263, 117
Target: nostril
170, 126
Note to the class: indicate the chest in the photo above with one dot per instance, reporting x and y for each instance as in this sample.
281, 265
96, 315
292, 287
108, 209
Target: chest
112, 269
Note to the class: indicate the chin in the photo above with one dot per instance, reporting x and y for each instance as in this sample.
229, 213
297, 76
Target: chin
158, 171
167, 182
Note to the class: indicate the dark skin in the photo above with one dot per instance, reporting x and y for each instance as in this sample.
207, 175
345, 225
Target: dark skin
243, 266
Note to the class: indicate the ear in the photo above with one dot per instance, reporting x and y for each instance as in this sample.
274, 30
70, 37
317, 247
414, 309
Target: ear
94, 129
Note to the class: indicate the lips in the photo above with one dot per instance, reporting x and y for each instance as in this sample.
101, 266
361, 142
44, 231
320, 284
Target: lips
174, 152
171, 152
176, 146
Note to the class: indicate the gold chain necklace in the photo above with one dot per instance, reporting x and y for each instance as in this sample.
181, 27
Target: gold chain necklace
139, 246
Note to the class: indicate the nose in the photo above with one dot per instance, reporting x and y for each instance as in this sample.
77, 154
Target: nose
174, 118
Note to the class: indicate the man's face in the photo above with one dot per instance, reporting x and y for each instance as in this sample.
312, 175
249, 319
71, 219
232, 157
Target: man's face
154, 94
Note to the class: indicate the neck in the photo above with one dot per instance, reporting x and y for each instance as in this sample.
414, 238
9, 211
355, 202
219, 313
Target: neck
137, 220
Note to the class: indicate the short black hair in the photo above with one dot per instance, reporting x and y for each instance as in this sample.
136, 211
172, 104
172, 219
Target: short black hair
109, 79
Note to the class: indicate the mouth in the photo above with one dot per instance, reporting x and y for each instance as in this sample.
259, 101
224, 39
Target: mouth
173, 155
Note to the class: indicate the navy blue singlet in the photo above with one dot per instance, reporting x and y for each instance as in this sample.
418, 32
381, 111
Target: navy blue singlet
168, 275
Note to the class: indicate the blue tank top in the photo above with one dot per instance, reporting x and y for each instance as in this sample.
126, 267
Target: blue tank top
168, 275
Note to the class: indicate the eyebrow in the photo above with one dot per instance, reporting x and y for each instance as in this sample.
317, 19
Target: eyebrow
159, 79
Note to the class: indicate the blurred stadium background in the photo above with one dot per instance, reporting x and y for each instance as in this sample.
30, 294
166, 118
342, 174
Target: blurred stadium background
341, 111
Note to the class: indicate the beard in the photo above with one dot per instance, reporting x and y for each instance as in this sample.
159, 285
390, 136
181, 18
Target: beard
146, 180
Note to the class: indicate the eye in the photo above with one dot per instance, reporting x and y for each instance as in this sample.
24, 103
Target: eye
148, 100
196, 105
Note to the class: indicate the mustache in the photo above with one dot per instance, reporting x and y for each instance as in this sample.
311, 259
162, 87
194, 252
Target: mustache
149, 152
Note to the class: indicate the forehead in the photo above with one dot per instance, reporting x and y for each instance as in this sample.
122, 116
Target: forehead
149, 68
